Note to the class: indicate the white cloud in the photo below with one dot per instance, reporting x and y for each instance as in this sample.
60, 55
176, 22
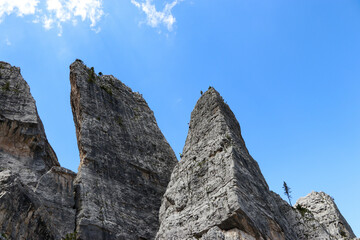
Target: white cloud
60, 11
20, 7
153, 17
55, 12
47, 22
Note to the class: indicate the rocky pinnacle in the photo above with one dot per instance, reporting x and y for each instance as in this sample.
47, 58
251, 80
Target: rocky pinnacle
217, 189
129, 185
36, 194
125, 161
22, 133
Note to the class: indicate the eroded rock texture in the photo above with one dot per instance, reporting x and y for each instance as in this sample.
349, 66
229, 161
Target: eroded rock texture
217, 185
125, 160
302, 222
36, 194
323, 209
216, 192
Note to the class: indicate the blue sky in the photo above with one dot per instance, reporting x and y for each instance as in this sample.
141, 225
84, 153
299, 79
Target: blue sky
288, 69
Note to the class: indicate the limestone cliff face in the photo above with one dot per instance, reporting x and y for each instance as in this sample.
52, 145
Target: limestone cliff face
22, 134
36, 195
316, 216
302, 222
217, 188
322, 208
216, 191
125, 160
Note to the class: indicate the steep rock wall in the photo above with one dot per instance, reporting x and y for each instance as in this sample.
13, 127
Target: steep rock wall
125, 161
216, 191
36, 194
217, 185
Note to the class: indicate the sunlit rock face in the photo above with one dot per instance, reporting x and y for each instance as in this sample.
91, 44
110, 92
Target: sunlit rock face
125, 160
130, 185
217, 190
302, 222
36, 194
323, 209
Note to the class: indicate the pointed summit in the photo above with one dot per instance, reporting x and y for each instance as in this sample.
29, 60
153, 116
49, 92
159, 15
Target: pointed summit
212, 116
213, 120
217, 189
36, 194
125, 161
22, 132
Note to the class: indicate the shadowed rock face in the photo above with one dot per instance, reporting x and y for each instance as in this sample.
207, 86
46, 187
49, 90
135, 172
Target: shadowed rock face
36, 195
217, 185
125, 160
22, 133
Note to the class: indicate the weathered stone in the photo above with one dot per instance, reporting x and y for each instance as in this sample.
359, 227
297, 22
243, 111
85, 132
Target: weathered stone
232, 234
217, 182
324, 210
125, 161
21, 214
216, 192
36, 195
302, 222
57, 194
22, 134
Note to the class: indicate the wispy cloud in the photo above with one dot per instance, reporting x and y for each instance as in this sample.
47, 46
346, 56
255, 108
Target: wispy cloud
7, 42
19, 7
55, 12
60, 11
155, 18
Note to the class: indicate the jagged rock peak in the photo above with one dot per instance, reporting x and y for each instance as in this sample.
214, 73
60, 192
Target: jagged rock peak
126, 161
212, 109
14, 88
212, 124
217, 190
22, 132
325, 211
36, 195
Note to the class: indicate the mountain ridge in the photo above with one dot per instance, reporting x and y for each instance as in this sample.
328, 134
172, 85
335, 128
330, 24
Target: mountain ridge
125, 167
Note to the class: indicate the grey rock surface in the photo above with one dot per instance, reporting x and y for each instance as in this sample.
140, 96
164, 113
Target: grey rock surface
218, 184
36, 195
125, 161
22, 134
302, 222
216, 191
324, 210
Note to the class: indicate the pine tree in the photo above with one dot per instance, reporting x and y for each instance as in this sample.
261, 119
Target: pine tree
287, 192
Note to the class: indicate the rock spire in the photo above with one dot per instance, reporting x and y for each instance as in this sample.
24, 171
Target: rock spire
217, 188
122, 190
36, 194
125, 161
